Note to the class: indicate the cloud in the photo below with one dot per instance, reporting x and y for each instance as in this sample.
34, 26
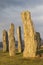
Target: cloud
21, 3
8, 16
10, 11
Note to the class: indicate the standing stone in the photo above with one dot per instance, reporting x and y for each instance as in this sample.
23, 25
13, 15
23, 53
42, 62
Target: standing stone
29, 36
5, 41
19, 39
38, 38
11, 40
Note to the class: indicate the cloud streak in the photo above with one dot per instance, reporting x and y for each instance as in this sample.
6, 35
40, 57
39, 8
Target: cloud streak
10, 11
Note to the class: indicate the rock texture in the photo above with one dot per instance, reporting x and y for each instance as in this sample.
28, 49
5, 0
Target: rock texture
19, 39
29, 35
38, 38
5, 41
11, 40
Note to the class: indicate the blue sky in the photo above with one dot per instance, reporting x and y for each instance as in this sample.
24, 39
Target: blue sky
10, 11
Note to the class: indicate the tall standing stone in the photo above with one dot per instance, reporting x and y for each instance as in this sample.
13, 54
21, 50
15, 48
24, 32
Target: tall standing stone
29, 36
19, 39
11, 40
5, 41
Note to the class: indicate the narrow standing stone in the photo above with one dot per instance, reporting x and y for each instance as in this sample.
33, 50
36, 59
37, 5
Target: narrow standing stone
29, 36
5, 41
11, 40
19, 39
38, 38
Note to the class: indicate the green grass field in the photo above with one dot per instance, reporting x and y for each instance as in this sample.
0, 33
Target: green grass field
5, 59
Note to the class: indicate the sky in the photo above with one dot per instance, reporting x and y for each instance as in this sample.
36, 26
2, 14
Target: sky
10, 12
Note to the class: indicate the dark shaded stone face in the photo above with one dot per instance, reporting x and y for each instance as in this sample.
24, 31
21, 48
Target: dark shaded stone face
19, 39
38, 39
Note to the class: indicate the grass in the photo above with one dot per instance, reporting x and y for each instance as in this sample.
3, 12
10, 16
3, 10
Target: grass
5, 59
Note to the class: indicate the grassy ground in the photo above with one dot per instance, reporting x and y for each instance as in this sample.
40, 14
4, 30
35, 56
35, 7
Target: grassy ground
5, 59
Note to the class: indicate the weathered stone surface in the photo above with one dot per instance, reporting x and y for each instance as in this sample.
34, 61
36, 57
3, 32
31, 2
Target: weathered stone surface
5, 41
38, 38
19, 39
11, 40
29, 36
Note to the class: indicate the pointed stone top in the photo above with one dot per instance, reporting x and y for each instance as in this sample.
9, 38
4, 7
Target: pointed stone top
25, 12
4, 30
26, 15
12, 26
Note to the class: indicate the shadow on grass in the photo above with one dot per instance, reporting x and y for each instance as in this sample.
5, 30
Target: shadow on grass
17, 53
40, 52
